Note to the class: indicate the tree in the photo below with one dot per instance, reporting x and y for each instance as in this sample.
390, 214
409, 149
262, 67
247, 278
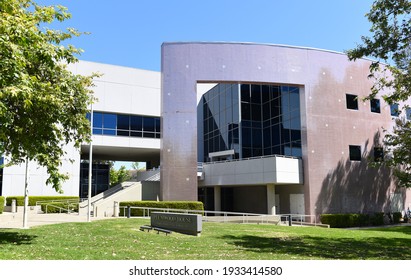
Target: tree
389, 45
118, 176
43, 105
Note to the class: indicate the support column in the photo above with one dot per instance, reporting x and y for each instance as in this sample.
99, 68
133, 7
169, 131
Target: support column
217, 198
271, 199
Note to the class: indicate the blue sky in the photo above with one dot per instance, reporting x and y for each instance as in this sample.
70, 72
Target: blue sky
130, 32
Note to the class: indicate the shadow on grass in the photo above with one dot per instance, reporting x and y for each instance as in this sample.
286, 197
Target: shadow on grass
398, 229
309, 247
16, 238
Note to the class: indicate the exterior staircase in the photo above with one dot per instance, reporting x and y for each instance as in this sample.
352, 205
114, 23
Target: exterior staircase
106, 204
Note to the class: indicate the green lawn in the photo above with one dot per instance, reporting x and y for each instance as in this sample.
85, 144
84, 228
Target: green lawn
121, 239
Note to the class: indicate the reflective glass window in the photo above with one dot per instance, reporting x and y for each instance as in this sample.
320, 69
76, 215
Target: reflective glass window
351, 101
375, 105
395, 112
136, 123
109, 121
123, 122
97, 120
355, 153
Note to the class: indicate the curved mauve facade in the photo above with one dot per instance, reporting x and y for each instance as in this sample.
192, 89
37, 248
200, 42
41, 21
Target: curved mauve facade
332, 132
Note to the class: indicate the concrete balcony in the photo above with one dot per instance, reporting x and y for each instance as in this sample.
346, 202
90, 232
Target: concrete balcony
253, 171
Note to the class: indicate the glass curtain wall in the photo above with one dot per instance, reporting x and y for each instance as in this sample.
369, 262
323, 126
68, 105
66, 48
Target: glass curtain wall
100, 178
269, 122
125, 125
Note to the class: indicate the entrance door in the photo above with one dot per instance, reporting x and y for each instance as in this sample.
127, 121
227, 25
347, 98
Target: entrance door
297, 204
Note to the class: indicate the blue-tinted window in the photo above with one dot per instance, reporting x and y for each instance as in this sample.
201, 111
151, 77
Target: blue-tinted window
97, 120
125, 125
110, 121
395, 112
375, 106
408, 113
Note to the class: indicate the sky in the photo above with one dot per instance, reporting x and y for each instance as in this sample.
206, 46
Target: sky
130, 32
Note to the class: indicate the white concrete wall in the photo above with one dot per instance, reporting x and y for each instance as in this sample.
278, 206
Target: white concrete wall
260, 171
122, 89
13, 177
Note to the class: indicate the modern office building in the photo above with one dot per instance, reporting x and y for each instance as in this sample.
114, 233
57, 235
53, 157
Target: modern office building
242, 127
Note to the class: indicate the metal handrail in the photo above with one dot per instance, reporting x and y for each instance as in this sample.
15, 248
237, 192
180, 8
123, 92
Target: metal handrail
70, 203
222, 216
250, 158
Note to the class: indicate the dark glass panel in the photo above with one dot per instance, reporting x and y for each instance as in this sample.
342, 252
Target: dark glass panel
97, 131
352, 101
355, 153
123, 132
256, 112
256, 94
245, 111
265, 93
136, 123
136, 134
245, 93
148, 124
149, 135
157, 124
246, 137
123, 122
375, 106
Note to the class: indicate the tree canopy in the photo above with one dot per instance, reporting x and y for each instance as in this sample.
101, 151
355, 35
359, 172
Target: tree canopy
43, 105
390, 46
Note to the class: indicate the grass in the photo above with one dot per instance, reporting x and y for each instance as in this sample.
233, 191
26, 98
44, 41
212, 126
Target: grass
121, 239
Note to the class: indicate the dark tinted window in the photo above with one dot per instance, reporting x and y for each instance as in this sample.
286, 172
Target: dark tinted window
352, 101
375, 106
355, 153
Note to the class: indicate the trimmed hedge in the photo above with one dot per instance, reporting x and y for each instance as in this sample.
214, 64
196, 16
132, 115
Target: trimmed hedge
34, 199
1, 204
185, 205
345, 220
357, 220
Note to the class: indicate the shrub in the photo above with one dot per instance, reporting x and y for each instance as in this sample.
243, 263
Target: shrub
185, 205
345, 220
34, 199
396, 217
1, 204
377, 219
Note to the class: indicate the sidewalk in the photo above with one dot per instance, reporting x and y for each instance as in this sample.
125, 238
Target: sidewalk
15, 220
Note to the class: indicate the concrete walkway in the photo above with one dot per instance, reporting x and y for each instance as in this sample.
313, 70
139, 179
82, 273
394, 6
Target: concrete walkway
15, 220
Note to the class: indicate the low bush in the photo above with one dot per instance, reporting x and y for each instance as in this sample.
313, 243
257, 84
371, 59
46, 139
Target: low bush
377, 219
1, 204
396, 217
185, 205
345, 220
34, 199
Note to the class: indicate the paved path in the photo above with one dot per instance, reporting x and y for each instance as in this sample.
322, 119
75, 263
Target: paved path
15, 220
